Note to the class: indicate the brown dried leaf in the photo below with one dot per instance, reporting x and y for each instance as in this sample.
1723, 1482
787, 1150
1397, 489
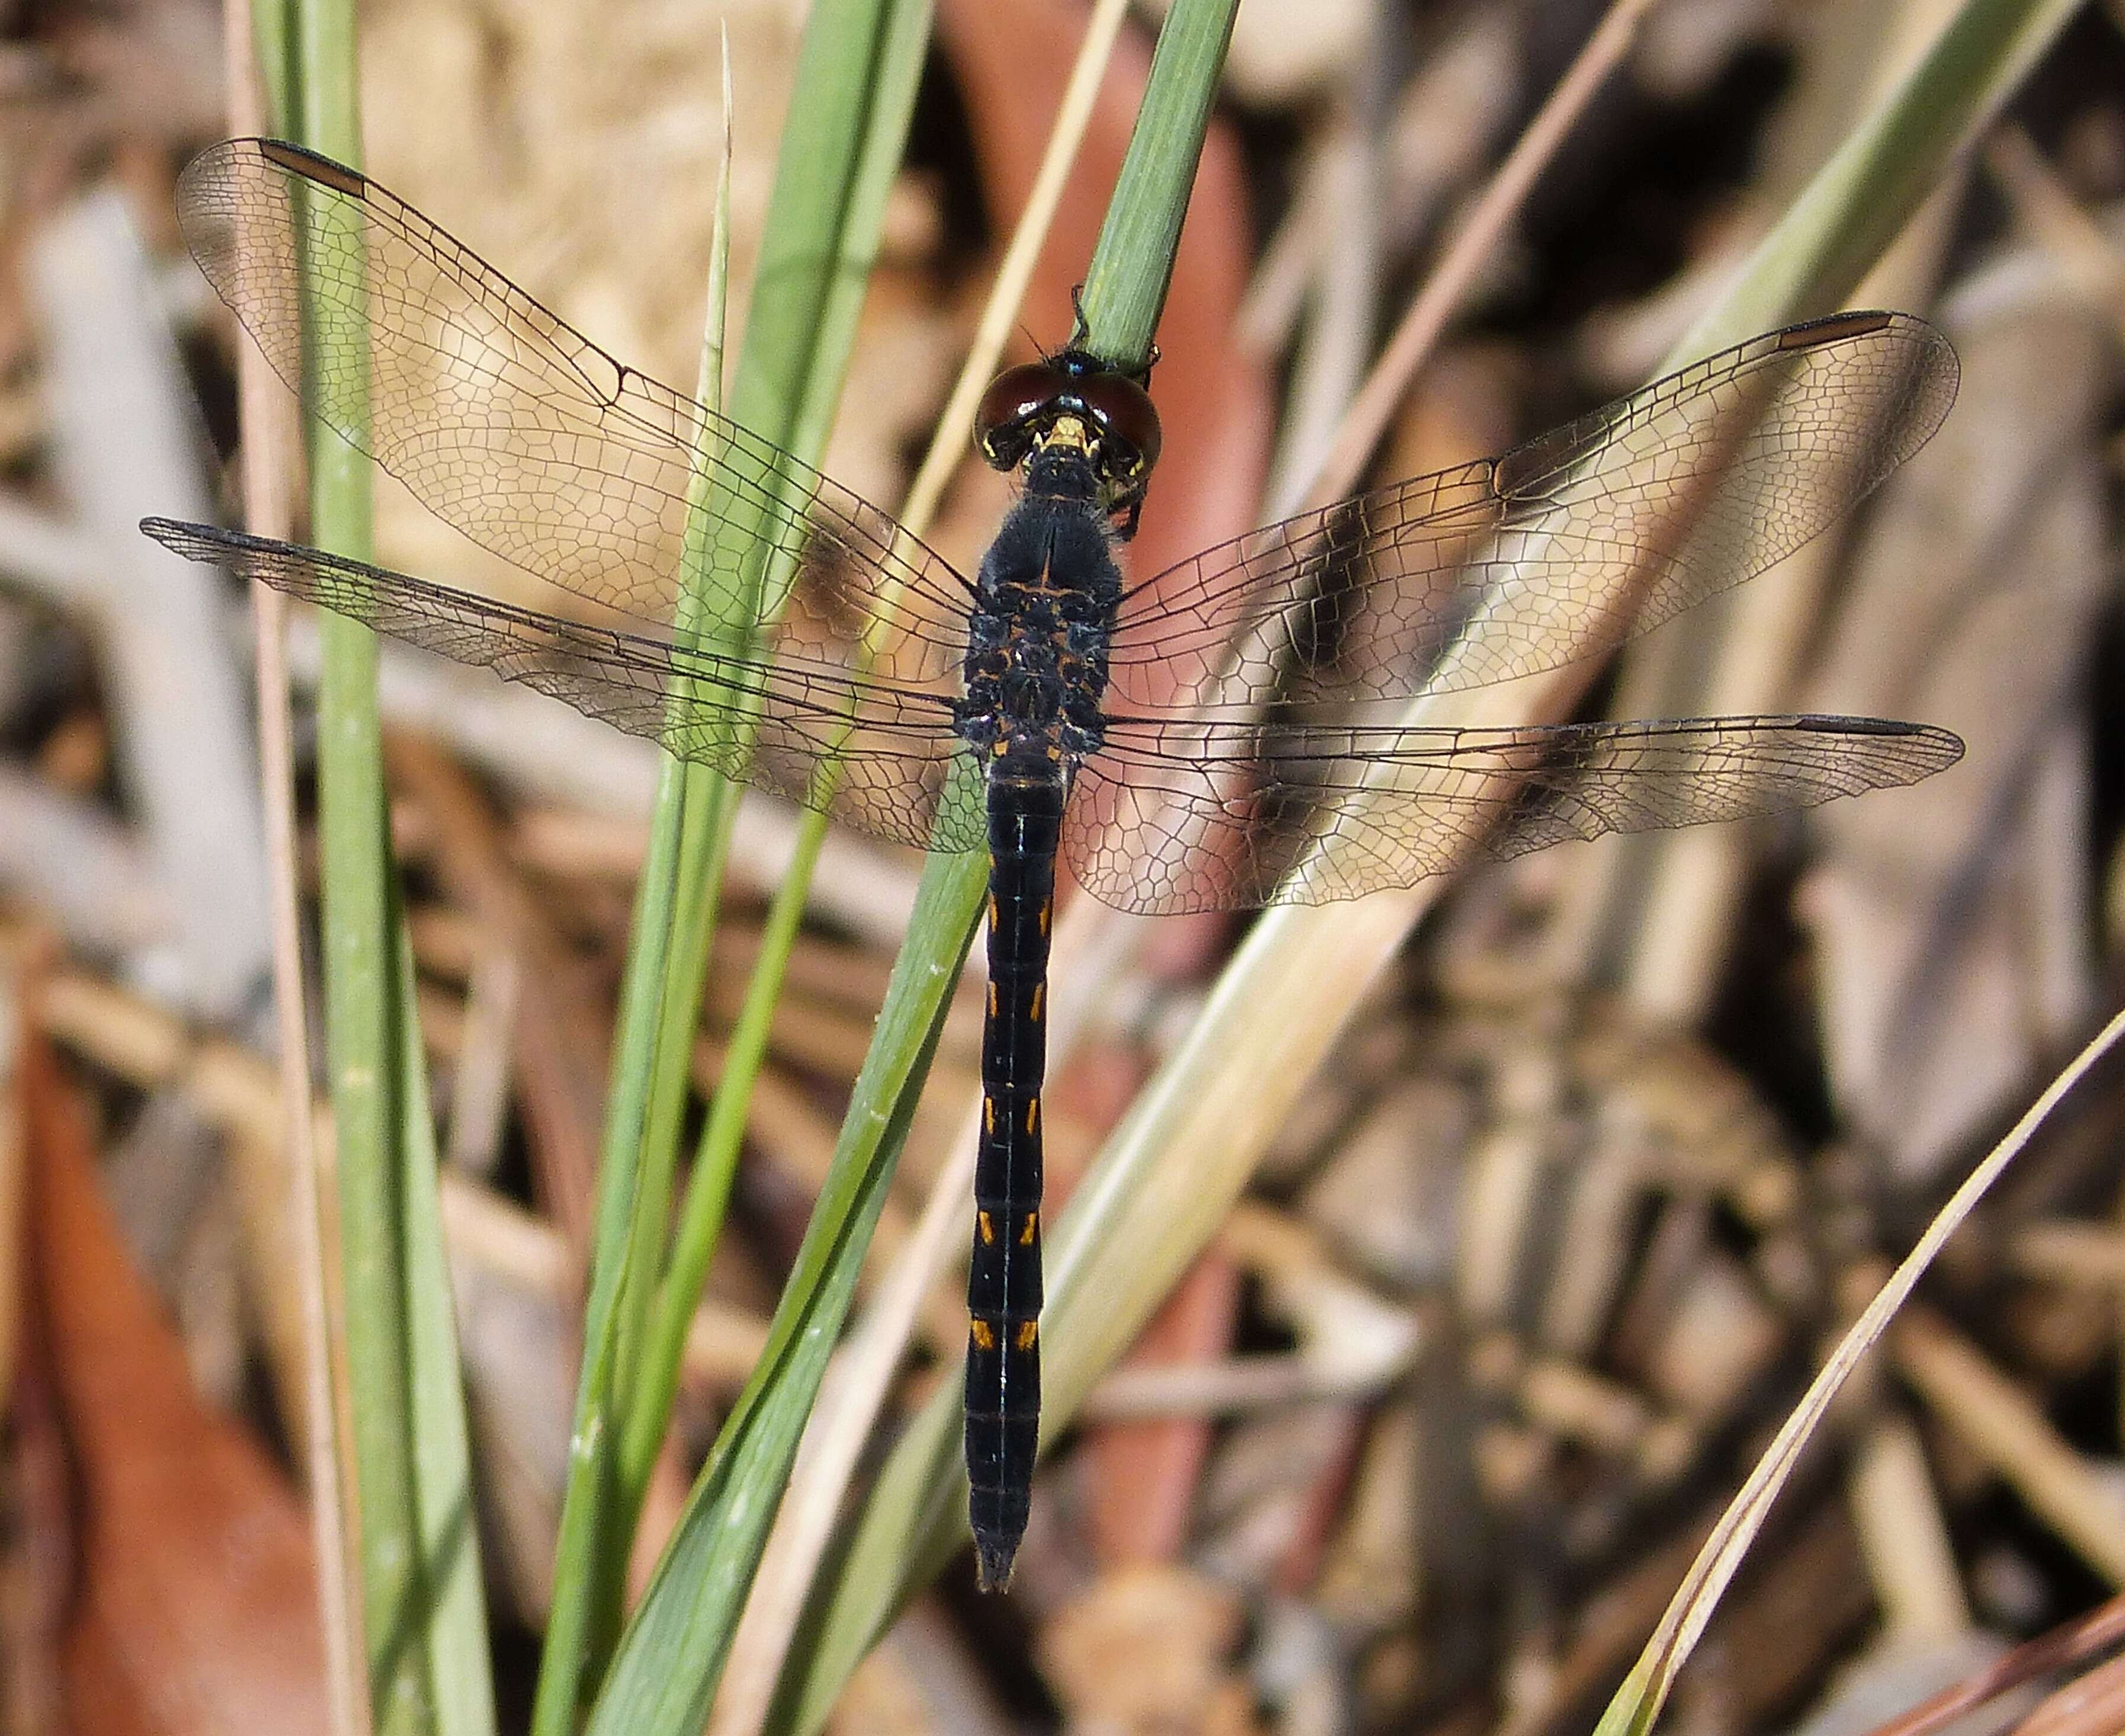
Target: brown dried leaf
1148, 1649
195, 1612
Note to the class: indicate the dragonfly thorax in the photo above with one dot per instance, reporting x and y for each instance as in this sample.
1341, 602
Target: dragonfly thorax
1044, 613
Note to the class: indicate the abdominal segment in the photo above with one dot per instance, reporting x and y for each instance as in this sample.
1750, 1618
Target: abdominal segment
1003, 1281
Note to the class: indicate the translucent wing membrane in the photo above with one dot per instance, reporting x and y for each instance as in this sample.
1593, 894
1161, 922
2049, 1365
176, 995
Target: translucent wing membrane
1561, 548
873, 753
518, 431
723, 599
1176, 816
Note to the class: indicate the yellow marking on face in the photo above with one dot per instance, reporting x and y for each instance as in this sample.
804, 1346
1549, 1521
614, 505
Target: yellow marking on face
1069, 430
985, 1227
1032, 1006
1028, 1334
988, 1115
1002, 748
1028, 1229
1032, 1114
982, 1333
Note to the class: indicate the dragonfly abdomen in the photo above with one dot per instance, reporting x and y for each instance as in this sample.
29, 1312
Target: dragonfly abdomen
1003, 1280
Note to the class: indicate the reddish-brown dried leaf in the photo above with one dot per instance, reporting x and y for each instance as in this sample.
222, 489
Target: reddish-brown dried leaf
195, 1614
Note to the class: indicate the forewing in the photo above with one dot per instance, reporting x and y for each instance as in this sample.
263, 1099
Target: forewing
1174, 816
1561, 548
870, 752
516, 429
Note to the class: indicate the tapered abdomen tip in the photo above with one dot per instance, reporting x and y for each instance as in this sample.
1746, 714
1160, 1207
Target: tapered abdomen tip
994, 1559
999, 1519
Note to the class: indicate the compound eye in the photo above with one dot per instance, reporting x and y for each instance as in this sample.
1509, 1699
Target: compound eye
1125, 409
1013, 396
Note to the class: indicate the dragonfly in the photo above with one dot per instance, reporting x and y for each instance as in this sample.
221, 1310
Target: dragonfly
1234, 732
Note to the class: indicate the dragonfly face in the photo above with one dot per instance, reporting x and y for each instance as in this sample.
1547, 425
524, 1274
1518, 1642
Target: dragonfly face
1236, 731
1072, 399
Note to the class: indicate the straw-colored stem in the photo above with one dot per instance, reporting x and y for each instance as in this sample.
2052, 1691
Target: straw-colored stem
362, 1007
254, 53
1638, 1702
1419, 331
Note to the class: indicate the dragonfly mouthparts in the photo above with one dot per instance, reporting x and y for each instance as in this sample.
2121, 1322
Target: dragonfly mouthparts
1063, 470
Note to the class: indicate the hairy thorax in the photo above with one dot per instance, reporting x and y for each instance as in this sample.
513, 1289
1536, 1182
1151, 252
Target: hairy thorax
1037, 636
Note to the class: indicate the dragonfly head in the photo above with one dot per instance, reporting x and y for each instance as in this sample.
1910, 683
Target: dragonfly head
1074, 401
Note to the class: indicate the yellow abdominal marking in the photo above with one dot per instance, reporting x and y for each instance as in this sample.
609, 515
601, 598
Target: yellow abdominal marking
982, 1332
1046, 910
988, 1115
985, 1227
1029, 1229
1033, 1007
1028, 1334
1032, 1114
992, 1000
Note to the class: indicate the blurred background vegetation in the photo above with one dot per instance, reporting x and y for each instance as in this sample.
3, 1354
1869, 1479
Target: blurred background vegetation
1550, 1244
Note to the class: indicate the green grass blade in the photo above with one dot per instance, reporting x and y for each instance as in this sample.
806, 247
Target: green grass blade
1172, 1169
460, 1668
842, 150
847, 124
715, 1167
715, 1161
647, 1415
1859, 200
1133, 261
271, 27
671, 1657
841, 146
424, 1615
589, 1555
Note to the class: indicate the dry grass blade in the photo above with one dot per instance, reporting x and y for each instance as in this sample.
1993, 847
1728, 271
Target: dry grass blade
2005, 1429
2098, 1631
1419, 331
269, 418
1639, 1702
2048, 210
1655, 917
